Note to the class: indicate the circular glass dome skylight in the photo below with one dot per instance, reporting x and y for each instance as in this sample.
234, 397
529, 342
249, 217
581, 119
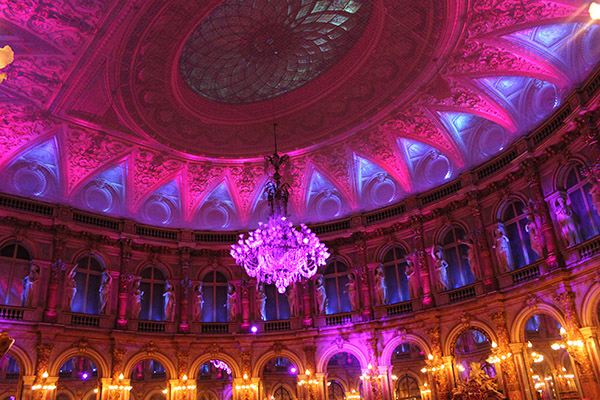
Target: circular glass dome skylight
246, 51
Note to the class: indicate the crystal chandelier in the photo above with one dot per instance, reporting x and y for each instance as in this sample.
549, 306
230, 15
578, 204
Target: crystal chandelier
276, 252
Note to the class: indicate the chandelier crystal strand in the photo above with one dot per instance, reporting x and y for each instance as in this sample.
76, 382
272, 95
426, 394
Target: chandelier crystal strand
276, 252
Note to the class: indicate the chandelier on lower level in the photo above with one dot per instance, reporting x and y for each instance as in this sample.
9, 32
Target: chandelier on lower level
277, 253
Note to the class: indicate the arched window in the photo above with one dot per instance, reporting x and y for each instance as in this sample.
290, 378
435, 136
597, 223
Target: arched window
153, 286
335, 391
87, 283
407, 388
578, 191
335, 280
214, 293
14, 266
277, 306
9, 368
281, 393
394, 266
515, 220
459, 271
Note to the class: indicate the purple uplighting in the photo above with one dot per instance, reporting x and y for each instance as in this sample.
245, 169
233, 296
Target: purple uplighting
85, 375
254, 329
293, 370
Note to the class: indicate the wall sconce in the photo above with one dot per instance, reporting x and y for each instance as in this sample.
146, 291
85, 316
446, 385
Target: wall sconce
303, 382
183, 384
120, 386
43, 385
431, 366
497, 356
565, 343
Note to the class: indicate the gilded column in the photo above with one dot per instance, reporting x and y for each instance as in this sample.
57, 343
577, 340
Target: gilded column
420, 261
41, 369
185, 255
553, 257
440, 376
587, 379
55, 268
508, 367
124, 280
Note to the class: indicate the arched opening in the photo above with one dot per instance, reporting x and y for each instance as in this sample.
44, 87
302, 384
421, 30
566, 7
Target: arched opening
407, 361
455, 253
14, 269
344, 369
87, 276
473, 347
214, 381
10, 372
279, 372
514, 223
335, 391
550, 371
149, 376
394, 266
78, 376
153, 285
214, 295
335, 279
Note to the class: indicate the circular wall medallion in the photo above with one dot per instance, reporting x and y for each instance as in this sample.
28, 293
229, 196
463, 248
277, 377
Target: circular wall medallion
383, 192
98, 198
30, 180
491, 140
158, 211
215, 217
437, 169
328, 207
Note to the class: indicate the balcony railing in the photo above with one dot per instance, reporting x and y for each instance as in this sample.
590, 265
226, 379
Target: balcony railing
338, 319
215, 328
405, 307
85, 320
463, 293
151, 326
12, 313
276, 326
525, 274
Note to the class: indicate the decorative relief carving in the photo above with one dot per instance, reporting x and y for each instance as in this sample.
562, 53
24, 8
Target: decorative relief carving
149, 169
150, 348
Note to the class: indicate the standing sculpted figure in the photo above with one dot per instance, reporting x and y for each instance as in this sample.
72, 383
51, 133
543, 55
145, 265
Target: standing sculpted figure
411, 276
169, 297
565, 216
502, 248
321, 295
70, 287
137, 296
535, 234
105, 290
29, 285
292, 296
351, 290
440, 265
472, 258
261, 302
231, 302
380, 287
198, 302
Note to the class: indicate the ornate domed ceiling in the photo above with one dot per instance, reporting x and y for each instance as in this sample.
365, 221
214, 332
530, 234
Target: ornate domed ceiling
162, 111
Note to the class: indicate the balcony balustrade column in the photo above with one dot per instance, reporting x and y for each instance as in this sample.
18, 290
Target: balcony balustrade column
554, 258
507, 366
420, 261
124, 280
481, 243
587, 379
184, 293
56, 267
